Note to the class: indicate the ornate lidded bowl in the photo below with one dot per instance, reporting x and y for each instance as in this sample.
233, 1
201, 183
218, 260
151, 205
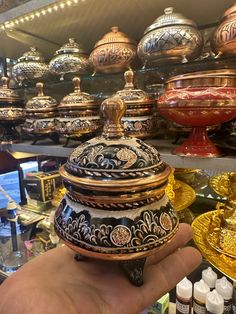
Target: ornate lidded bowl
11, 113
41, 111
30, 66
70, 58
116, 207
224, 38
171, 38
114, 52
78, 113
140, 116
199, 100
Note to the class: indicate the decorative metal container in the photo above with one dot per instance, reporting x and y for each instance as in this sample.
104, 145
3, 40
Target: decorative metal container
115, 52
140, 116
171, 38
224, 38
70, 58
40, 114
199, 100
78, 113
115, 207
11, 113
30, 66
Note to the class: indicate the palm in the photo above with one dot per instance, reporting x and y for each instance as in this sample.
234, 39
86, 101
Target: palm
56, 283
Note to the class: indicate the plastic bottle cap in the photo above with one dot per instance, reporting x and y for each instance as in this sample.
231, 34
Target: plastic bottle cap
214, 302
209, 276
200, 290
184, 289
224, 288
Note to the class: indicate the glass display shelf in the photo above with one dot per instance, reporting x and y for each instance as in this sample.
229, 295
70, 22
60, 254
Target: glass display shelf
165, 148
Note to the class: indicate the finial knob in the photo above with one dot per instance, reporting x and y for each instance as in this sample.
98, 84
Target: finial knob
169, 10
115, 29
5, 82
76, 82
39, 87
71, 40
113, 110
129, 79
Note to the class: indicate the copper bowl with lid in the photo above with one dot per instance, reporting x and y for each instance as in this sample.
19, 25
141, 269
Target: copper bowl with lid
200, 100
11, 113
78, 113
40, 111
70, 58
30, 66
170, 38
114, 52
223, 41
139, 119
116, 207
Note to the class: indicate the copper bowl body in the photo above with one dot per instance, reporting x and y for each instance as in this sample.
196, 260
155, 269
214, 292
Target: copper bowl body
224, 38
30, 66
171, 38
115, 207
115, 52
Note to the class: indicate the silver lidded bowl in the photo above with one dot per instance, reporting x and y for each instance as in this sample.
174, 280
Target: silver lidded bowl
115, 207
11, 113
30, 66
139, 119
78, 113
170, 38
70, 58
41, 111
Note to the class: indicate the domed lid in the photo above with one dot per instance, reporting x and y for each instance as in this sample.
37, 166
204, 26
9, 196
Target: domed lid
7, 94
41, 102
113, 162
71, 47
115, 36
31, 55
130, 94
170, 18
78, 99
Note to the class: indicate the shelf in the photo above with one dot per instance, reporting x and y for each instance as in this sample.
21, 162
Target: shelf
165, 148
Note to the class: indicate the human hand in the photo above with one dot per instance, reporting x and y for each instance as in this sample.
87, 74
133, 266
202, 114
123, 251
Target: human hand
54, 283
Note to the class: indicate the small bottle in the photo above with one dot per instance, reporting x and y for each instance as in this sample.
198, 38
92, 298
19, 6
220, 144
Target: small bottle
184, 291
225, 288
209, 276
200, 291
214, 303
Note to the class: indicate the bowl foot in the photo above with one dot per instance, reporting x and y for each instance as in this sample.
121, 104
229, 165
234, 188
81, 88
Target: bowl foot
133, 269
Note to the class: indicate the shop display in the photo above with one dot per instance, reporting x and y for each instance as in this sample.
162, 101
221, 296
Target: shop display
199, 100
114, 52
170, 38
11, 113
140, 116
223, 40
78, 113
40, 113
70, 58
115, 207
30, 66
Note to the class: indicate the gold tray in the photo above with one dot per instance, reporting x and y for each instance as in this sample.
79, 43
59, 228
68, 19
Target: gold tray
220, 184
224, 263
184, 196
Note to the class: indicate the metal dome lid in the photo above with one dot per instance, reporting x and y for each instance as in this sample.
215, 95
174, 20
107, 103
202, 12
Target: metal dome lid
115, 36
130, 94
71, 47
7, 94
170, 18
41, 102
78, 99
31, 55
113, 162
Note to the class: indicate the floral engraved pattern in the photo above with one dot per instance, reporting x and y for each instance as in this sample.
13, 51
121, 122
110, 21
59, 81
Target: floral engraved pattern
81, 229
113, 55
